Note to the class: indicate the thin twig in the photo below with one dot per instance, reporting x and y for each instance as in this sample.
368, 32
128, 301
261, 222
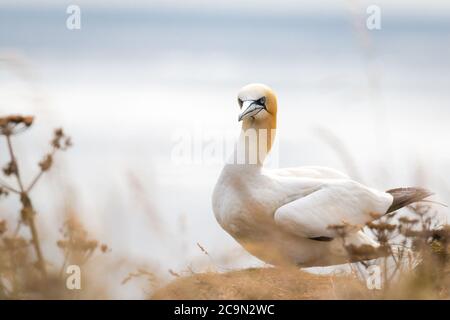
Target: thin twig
40, 173
8, 187
35, 180
14, 162
37, 246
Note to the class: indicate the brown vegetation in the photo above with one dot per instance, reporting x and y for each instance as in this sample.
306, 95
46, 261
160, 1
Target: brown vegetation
25, 273
253, 284
417, 267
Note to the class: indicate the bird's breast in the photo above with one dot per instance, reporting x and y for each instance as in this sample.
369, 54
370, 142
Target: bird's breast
244, 206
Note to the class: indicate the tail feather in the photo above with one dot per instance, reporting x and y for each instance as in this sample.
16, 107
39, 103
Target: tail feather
406, 196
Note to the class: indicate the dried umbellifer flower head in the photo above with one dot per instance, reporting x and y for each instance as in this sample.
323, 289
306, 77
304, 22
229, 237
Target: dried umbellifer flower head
10, 168
406, 220
363, 250
13, 124
60, 140
46, 163
382, 226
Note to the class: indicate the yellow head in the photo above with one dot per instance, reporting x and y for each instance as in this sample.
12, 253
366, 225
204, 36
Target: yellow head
258, 105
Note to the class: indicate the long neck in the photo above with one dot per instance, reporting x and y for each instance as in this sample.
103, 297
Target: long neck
255, 141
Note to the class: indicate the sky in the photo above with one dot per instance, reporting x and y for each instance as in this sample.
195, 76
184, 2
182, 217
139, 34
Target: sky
410, 6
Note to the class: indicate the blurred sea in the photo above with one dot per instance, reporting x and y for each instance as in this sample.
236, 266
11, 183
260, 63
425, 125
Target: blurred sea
124, 83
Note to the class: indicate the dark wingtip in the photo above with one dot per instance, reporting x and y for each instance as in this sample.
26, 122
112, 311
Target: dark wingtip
406, 196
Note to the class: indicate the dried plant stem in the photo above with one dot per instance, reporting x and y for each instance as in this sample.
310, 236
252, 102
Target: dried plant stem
39, 175
14, 162
8, 187
27, 208
37, 247
36, 179
29, 213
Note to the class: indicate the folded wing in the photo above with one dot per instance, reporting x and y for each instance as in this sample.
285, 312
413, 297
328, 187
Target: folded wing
337, 202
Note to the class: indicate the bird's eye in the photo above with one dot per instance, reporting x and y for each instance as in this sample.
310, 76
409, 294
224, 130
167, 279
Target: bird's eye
262, 101
240, 102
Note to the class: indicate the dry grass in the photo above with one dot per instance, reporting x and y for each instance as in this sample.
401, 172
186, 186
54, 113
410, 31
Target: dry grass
426, 281
417, 266
254, 284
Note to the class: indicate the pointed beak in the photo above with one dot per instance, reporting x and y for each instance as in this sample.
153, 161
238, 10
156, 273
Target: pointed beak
251, 108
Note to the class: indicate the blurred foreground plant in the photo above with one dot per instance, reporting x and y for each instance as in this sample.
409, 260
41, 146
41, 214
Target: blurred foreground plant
10, 126
415, 250
415, 265
24, 271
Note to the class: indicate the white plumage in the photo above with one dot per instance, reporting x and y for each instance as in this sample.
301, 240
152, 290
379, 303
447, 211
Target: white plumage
284, 215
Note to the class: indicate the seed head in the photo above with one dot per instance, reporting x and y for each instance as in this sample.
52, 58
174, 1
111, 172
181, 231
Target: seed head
10, 168
46, 163
13, 124
60, 140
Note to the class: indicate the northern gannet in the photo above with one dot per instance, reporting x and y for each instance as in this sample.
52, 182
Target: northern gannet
285, 215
